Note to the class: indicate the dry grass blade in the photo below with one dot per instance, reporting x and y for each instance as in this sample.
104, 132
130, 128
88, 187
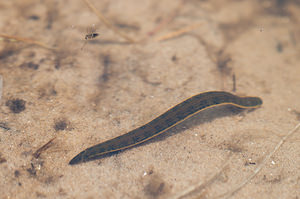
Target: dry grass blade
258, 169
107, 23
178, 32
195, 190
26, 40
167, 20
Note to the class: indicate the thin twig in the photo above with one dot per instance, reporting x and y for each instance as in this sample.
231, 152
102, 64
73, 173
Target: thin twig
107, 23
258, 169
4, 126
26, 40
1, 86
177, 32
38, 152
233, 82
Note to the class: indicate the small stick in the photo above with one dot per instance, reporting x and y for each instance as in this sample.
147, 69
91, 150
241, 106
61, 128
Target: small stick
107, 23
178, 32
233, 83
38, 152
2, 125
258, 169
1, 86
26, 40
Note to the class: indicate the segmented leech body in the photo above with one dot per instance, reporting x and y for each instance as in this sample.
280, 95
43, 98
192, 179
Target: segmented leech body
170, 118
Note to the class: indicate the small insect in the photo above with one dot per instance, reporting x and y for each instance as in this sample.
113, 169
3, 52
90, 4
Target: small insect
91, 34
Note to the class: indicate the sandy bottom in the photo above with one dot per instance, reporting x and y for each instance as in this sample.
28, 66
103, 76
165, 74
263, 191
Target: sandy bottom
56, 103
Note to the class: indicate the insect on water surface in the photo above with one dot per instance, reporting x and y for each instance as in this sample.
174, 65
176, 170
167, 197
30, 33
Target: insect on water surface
91, 34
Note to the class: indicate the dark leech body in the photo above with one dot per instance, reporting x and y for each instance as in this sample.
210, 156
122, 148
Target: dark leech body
170, 118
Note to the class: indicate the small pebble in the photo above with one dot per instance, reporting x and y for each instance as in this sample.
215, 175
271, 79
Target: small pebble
273, 162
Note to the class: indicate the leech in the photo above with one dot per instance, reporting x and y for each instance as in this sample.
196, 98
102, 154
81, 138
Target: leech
167, 120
